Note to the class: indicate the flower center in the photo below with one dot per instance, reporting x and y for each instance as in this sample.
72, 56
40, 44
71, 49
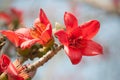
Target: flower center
75, 43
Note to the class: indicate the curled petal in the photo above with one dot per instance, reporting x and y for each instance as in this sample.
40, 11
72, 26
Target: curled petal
43, 17
90, 48
62, 36
12, 37
89, 29
74, 54
70, 22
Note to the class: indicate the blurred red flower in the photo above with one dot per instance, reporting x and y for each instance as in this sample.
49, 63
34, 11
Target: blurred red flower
77, 39
17, 14
14, 15
5, 17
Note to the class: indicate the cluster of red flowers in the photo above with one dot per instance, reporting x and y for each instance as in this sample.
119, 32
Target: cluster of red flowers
75, 38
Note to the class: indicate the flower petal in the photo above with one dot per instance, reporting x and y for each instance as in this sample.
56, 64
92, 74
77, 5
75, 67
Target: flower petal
90, 48
62, 36
12, 73
89, 29
70, 22
18, 14
24, 33
46, 34
28, 43
76, 33
43, 17
11, 70
12, 37
74, 54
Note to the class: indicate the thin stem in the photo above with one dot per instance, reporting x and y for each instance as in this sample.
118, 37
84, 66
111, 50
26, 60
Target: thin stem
44, 59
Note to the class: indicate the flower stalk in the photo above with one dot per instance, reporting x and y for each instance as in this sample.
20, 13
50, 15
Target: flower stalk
44, 59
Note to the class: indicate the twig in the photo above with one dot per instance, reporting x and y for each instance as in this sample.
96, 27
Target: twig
44, 59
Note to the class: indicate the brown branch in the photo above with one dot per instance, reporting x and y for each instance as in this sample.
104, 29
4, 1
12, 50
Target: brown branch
44, 59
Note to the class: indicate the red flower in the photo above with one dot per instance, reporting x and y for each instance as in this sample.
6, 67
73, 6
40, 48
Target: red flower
17, 14
77, 39
20, 38
43, 29
26, 37
9, 68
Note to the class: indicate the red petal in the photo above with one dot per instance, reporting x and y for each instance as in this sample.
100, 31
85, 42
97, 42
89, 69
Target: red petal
12, 70
4, 62
5, 17
74, 54
77, 33
43, 17
90, 48
46, 34
62, 36
28, 43
24, 32
11, 36
70, 22
12, 73
89, 29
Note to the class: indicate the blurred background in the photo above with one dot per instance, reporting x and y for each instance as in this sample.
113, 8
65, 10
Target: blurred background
101, 67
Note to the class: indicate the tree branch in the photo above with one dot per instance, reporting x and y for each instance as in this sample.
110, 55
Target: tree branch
44, 59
